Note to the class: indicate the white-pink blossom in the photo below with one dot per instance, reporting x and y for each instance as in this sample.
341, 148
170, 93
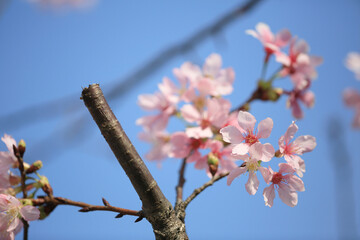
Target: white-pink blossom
245, 135
215, 115
352, 62
7, 160
160, 142
164, 102
298, 63
221, 153
270, 42
286, 184
252, 165
183, 146
11, 210
212, 79
296, 96
292, 149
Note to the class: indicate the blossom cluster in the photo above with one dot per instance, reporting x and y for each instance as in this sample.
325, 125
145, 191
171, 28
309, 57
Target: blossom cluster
296, 64
15, 210
216, 137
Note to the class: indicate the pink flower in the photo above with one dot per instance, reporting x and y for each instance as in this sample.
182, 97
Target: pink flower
11, 210
183, 146
214, 117
285, 182
352, 99
219, 152
245, 132
298, 64
160, 144
211, 80
292, 150
270, 42
164, 102
7, 160
305, 96
252, 165
353, 63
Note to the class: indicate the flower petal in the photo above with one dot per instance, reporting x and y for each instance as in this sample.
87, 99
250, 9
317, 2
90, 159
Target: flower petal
240, 149
246, 121
231, 134
265, 127
30, 213
269, 195
252, 184
286, 195
295, 183
235, 173
306, 143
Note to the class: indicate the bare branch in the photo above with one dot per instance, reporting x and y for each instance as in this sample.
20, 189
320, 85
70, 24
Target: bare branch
202, 188
85, 207
181, 182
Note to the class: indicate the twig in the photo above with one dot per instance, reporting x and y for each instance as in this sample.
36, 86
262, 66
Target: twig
202, 188
181, 182
85, 207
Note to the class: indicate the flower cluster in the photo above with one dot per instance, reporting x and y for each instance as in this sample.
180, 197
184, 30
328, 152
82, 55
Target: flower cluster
198, 101
215, 137
13, 210
246, 146
296, 64
351, 96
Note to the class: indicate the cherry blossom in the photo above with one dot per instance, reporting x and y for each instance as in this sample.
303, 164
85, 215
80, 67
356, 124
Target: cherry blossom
352, 62
210, 80
11, 210
298, 64
221, 154
271, 43
164, 102
305, 96
352, 99
160, 144
244, 136
214, 117
292, 150
183, 146
252, 165
286, 184
7, 160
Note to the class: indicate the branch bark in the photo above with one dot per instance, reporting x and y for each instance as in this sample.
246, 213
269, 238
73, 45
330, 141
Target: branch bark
156, 208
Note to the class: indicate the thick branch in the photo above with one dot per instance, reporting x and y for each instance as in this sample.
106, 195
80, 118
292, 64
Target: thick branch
157, 209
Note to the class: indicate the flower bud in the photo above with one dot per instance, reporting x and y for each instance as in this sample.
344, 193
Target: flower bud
278, 154
34, 167
213, 162
21, 147
45, 186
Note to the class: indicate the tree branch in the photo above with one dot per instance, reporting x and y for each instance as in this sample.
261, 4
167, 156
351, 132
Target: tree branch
181, 182
85, 207
157, 209
202, 188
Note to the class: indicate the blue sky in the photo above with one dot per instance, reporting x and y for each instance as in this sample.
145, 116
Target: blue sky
48, 55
